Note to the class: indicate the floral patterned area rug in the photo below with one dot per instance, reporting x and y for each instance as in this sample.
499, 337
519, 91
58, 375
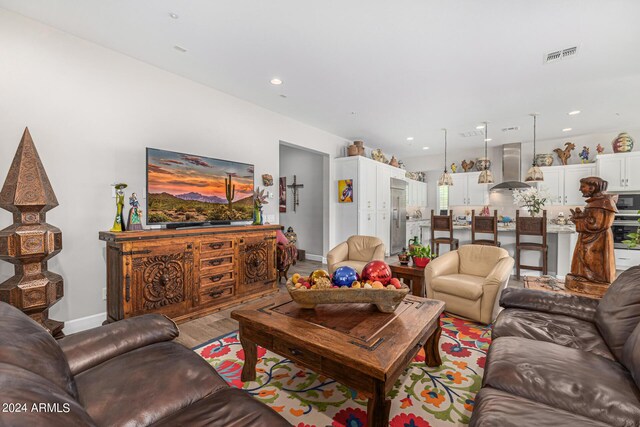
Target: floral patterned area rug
422, 396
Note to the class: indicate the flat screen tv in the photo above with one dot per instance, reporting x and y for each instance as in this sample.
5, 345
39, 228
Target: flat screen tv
188, 189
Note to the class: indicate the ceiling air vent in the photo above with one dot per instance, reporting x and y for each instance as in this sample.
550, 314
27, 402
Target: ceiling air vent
510, 129
472, 133
557, 55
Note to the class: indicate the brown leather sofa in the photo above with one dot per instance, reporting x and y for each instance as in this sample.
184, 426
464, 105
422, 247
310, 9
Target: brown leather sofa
126, 373
564, 360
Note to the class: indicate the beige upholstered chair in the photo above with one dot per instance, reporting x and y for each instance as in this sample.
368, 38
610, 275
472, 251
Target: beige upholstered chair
356, 252
469, 280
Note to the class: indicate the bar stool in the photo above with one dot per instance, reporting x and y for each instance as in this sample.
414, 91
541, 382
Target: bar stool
484, 225
527, 226
442, 223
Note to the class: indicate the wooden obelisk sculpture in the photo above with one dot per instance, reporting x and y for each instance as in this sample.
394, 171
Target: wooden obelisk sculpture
29, 242
593, 267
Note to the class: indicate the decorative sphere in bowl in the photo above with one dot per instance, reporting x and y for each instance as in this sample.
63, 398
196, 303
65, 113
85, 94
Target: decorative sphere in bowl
345, 276
377, 271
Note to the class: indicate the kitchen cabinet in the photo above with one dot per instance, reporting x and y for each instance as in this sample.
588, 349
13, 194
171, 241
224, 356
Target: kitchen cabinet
466, 191
621, 170
562, 183
370, 212
416, 193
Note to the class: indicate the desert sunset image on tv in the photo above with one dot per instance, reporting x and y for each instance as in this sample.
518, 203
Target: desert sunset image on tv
187, 188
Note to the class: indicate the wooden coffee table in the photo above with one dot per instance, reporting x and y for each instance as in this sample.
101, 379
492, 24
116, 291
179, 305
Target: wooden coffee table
413, 275
355, 344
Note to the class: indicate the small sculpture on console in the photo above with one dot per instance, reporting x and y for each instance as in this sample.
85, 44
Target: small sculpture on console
564, 155
135, 214
118, 222
593, 267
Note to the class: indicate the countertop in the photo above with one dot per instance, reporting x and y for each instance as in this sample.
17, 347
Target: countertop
511, 227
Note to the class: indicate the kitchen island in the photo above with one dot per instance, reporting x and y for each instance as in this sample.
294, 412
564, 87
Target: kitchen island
561, 240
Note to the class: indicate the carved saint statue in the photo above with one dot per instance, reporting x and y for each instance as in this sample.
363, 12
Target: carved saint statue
593, 267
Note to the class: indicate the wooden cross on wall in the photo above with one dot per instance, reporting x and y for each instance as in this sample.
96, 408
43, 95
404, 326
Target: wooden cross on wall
294, 187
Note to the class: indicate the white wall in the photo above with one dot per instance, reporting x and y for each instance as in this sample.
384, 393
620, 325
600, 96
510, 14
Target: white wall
307, 220
91, 112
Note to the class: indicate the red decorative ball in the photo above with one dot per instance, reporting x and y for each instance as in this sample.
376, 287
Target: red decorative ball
377, 270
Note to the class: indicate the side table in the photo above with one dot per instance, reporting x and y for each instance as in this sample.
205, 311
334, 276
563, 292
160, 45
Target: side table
411, 274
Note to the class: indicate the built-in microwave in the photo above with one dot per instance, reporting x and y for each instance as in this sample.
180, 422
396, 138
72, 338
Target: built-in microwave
628, 203
623, 225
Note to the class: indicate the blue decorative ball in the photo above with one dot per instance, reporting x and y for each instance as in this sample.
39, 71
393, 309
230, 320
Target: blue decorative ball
345, 276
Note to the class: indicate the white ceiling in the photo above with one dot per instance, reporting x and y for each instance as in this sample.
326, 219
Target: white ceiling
404, 67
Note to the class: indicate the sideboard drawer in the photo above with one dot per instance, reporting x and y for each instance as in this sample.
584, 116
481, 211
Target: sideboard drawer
295, 353
221, 245
219, 262
216, 278
215, 293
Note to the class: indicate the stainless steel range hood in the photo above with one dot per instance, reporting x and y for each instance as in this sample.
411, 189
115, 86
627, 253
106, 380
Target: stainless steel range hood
511, 157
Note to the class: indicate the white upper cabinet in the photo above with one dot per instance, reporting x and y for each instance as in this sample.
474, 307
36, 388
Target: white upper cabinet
466, 191
383, 177
416, 193
621, 170
562, 183
367, 187
553, 184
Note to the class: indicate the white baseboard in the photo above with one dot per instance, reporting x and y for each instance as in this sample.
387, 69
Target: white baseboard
77, 325
313, 257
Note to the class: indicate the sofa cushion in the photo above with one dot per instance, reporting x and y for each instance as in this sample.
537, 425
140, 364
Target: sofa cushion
565, 378
631, 355
228, 407
619, 310
479, 260
461, 285
53, 405
556, 328
494, 408
26, 344
358, 265
363, 248
151, 382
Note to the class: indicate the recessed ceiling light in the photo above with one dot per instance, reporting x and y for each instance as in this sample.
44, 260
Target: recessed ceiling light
282, 95
410, 138
488, 140
574, 112
425, 148
180, 48
566, 129
173, 15
276, 81
480, 127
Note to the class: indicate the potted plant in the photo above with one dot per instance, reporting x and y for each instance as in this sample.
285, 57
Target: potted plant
421, 255
532, 199
633, 239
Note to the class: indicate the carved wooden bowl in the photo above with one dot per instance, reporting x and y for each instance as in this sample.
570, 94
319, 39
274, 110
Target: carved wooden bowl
386, 300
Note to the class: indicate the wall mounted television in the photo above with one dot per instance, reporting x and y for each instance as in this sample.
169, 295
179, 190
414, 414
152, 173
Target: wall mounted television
189, 190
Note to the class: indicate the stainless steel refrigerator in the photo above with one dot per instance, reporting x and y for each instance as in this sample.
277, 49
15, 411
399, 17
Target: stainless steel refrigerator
398, 215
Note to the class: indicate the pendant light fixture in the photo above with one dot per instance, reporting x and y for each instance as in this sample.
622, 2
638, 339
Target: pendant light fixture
534, 174
486, 177
445, 178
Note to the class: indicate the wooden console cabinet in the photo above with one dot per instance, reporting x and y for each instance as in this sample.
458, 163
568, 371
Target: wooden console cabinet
188, 273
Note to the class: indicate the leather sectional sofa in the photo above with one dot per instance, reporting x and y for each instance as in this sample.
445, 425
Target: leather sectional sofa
563, 360
125, 373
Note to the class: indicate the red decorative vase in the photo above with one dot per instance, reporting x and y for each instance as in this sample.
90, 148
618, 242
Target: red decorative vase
421, 262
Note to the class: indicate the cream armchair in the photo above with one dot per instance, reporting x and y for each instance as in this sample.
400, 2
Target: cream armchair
470, 280
356, 252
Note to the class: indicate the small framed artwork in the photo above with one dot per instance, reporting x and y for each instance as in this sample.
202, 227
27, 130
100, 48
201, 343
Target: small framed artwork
283, 194
345, 191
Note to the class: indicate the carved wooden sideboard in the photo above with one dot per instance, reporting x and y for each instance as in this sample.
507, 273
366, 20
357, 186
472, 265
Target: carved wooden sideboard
188, 273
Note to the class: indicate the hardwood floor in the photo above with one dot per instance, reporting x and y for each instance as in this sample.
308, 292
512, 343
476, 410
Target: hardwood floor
201, 330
